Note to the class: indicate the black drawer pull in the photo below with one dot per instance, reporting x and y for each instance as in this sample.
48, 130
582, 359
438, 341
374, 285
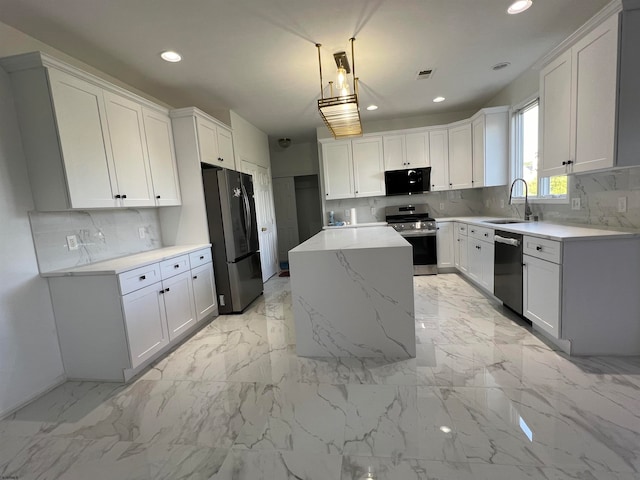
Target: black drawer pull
116, 196
564, 163
201, 257
538, 248
486, 234
143, 277
161, 292
166, 289
157, 196
176, 266
124, 196
195, 277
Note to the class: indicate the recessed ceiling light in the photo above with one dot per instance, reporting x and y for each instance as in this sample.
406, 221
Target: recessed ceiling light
500, 66
171, 56
519, 6
439, 99
372, 107
445, 429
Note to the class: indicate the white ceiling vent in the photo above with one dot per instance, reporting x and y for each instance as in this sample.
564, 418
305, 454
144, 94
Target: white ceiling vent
425, 74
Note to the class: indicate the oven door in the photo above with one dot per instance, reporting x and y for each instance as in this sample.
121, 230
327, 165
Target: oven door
425, 257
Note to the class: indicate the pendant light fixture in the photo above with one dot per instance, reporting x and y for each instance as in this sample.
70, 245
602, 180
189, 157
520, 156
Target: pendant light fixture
341, 113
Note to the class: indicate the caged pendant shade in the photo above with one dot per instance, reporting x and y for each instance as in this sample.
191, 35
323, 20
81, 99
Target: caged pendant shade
341, 114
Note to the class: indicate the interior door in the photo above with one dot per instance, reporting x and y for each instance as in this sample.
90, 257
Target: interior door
284, 197
265, 216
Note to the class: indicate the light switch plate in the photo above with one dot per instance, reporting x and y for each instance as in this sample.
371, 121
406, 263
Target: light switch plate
502, 203
441, 206
347, 213
575, 203
622, 204
142, 232
72, 242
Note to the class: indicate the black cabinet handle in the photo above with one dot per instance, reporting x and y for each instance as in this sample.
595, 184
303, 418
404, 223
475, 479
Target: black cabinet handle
220, 159
538, 248
451, 184
157, 196
143, 277
570, 162
195, 276
124, 196
433, 185
524, 264
161, 292
201, 257
166, 289
176, 266
473, 231
486, 234
564, 163
116, 196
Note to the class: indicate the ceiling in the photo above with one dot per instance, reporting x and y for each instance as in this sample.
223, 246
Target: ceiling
258, 57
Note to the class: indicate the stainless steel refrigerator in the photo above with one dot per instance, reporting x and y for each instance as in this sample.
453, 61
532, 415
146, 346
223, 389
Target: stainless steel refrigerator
233, 230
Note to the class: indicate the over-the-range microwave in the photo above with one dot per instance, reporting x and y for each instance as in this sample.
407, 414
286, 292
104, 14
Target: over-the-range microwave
407, 182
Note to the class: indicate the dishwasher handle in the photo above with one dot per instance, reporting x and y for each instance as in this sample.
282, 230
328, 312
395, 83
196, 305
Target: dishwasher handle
508, 241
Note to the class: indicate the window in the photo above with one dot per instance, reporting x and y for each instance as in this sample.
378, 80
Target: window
525, 158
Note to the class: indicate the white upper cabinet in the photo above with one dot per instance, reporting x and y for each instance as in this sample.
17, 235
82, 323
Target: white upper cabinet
84, 139
395, 155
439, 155
578, 103
368, 167
460, 156
162, 159
417, 149
490, 147
129, 149
404, 151
225, 147
208, 142
83, 144
338, 170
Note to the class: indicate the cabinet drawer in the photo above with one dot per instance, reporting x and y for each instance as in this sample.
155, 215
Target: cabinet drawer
481, 233
174, 266
549, 250
461, 228
139, 278
200, 257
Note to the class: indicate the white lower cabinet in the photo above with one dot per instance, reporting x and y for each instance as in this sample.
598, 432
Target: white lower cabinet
474, 253
110, 325
541, 293
460, 247
445, 247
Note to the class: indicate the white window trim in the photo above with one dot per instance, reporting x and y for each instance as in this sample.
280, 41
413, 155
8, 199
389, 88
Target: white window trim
513, 157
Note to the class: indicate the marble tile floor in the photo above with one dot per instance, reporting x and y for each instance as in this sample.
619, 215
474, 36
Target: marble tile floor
485, 398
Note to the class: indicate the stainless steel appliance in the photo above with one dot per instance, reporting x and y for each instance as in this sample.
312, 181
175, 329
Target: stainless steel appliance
507, 273
233, 230
419, 229
407, 182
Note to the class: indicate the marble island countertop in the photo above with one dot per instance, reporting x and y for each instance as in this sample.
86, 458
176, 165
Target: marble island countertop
118, 265
356, 225
352, 238
548, 230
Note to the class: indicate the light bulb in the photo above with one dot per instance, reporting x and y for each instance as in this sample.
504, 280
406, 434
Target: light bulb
519, 6
341, 82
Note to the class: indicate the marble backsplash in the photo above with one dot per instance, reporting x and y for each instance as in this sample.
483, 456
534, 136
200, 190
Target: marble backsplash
441, 204
598, 194
101, 235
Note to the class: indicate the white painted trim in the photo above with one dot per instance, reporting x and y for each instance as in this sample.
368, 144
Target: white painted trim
612, 8
196, 112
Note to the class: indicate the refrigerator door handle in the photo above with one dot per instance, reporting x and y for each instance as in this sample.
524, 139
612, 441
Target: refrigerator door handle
247, 212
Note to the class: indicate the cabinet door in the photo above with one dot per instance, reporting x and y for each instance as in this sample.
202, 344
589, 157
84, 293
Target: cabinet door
555, 117
204, 290
88, 164
162, 159
208, 143
394, 152
225, 148
594, 78
338, 170
487, 255
475, 260
445, 244
417, 149
439, 156
179, 304
368, 167
478, 151
129, 149
146, 322
460, 161
463, 253
541, 295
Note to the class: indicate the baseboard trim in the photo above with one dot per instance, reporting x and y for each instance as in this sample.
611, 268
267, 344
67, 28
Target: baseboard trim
55, 384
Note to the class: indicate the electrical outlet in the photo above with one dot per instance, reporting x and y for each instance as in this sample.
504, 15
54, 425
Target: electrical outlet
441, 206
142, 232
622, 204
502, 203
373, 211
575, 203
72, 242
347, 213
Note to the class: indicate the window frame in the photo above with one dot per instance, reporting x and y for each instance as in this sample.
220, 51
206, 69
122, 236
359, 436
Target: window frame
515, 158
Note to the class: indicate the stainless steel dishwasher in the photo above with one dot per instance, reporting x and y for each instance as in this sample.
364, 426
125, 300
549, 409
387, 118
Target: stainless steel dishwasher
507, 276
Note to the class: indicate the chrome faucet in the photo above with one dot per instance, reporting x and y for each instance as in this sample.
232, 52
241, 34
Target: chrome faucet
527, 208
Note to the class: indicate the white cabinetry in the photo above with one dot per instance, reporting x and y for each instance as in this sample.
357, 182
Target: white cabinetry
215, 143
410, 150
417, 148
368, 166
460, 156
490, 147
85, 140
460, 247
110, 325
395, 153
162, 157
541, 293
445, 247
578, 102
353, 168
439, 156
481, 256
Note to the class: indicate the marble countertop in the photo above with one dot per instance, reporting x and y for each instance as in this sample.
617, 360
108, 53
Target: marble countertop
550, 231
352, 238
357, 225
116, 266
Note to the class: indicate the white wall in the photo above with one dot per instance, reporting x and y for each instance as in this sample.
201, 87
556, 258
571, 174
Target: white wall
250, 143
298, 159
517, 91
30, 361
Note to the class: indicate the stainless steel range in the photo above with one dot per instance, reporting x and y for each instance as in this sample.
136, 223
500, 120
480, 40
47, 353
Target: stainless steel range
419, 229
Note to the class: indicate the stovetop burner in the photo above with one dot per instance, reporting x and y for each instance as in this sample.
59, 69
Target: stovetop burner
409, 217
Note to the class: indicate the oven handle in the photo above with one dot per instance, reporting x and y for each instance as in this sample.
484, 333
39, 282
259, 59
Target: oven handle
417, 233
507, 241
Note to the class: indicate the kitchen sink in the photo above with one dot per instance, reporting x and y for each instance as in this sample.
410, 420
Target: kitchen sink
503, 221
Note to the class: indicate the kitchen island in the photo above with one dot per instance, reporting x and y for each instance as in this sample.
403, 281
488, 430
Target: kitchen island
352, 294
